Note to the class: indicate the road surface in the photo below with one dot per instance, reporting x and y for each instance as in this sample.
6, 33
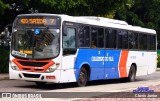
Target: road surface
93, 86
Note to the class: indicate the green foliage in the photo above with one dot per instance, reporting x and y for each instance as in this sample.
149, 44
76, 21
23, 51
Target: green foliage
4, 60
158, 62
3, 6
49, 2
144, 13
82, 7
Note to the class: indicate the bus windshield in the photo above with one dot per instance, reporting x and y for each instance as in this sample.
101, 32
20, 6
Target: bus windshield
37, 43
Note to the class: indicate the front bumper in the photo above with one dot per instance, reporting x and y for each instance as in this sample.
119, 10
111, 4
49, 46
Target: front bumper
35, 76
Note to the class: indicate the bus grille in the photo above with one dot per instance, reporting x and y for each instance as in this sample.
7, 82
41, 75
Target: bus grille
32, 69
37, 64
33, 65
31, 75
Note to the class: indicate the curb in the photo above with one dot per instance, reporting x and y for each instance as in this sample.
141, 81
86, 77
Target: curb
4, 76
158, 69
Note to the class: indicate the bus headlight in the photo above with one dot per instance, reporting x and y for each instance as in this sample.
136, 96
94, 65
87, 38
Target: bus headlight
14, 66
53, 67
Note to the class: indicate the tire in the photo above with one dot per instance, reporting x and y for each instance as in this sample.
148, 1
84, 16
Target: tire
82, 78
132, 74
41, 84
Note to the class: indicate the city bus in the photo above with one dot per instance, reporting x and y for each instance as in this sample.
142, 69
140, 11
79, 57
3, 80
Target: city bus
59, 48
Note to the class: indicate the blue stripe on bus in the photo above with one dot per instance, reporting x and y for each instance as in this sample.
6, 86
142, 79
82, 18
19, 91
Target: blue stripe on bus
103, 63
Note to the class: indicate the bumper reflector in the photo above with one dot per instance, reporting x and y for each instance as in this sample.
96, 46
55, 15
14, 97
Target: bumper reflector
50, 77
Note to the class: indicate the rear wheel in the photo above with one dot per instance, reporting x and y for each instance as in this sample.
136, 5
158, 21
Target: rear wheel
132, 74
41, 84
82, 78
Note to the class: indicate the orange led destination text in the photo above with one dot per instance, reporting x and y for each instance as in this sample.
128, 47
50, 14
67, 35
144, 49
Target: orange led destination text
33, 21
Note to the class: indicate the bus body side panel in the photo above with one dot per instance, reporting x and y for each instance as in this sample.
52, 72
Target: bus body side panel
94, 58
103, 65
68, 71
152, 62
140, 58
122, 64
112, 58
108, 64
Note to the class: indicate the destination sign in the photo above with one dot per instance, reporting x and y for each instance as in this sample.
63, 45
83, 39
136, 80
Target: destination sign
36, 20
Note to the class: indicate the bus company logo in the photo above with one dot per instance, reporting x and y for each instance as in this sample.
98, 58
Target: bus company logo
21, 95
143, 90
6, 95
102, 58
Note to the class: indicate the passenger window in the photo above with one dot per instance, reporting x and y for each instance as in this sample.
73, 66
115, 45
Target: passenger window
151, 42
84, 36
142, 41
111, 38
100, 38
94, 37
69, 38
122, 39
133, 40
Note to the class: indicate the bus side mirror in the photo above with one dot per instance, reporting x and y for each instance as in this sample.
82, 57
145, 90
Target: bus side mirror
5, 36
2, 35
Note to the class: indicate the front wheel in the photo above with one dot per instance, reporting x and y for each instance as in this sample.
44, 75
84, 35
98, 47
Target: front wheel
82, 78
132, 74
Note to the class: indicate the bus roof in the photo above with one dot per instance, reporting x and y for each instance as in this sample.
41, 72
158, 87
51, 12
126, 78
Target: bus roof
100, 21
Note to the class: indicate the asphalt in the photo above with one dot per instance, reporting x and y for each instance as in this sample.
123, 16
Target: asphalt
156, 88
5, 76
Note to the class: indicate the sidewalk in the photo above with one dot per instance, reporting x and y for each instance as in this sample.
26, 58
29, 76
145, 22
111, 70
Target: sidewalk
6, 76
158, 69
124, 96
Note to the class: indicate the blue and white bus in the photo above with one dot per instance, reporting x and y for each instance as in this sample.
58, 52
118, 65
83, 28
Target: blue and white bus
60, 48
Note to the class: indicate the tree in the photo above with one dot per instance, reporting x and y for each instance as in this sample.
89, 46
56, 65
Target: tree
82, 7
135, 12
144, 13
2, 7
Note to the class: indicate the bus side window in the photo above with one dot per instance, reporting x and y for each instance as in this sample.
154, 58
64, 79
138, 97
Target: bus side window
122, 39
69, 38
94, 37
84, 36
69, 41
142, 41
100, 38
111, 38
133, 40
93, 45
151, 42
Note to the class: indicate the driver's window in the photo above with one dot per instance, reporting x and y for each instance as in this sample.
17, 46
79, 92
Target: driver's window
69, 38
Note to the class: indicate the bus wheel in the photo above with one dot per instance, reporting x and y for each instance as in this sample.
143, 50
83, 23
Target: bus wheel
132, 74
82, 79
41, 84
